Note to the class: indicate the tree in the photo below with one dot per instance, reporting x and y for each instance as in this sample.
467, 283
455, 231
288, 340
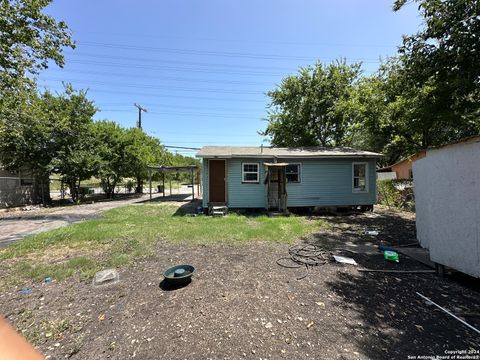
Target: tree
110, 145
307, 108
25, 135
142, 150
29, 39
440, 70
70, 117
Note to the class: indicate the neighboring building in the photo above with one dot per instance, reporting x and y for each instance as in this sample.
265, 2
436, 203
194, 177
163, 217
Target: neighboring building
447, 200
401, 169
20, 188
277, 178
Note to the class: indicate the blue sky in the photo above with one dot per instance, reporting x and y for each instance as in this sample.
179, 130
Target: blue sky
201, 68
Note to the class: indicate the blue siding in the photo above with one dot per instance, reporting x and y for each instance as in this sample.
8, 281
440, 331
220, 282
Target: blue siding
324, 182
244, 195
327, 182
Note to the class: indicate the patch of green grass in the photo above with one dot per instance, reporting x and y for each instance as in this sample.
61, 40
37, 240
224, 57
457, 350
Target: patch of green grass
129, 232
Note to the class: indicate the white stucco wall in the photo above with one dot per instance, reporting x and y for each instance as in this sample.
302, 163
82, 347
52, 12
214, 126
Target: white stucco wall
447, 200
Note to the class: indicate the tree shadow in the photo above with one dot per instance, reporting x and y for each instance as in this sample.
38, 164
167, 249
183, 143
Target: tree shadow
392, 321
393, 229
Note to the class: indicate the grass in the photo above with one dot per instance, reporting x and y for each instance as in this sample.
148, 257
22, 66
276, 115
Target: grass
126, 233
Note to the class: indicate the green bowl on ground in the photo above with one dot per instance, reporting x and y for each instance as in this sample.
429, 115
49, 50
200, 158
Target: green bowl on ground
179, 275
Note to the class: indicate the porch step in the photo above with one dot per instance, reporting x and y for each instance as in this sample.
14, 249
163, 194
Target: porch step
218, 210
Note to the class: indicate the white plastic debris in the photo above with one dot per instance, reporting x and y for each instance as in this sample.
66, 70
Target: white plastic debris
107, 276
371, 232
344, 260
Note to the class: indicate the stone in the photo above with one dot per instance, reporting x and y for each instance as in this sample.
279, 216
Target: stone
107, 276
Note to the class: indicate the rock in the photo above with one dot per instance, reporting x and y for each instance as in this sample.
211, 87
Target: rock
107, 276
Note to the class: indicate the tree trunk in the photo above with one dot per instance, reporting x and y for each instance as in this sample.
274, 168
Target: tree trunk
139, 189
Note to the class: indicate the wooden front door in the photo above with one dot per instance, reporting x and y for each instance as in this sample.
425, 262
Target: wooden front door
217, 181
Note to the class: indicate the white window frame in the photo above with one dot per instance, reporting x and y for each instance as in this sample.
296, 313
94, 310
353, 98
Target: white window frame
299, 173
358, 191
251, 172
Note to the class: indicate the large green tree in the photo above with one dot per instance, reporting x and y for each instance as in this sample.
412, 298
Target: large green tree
440, 73
142, 150
29, 39
69, 117
307, 109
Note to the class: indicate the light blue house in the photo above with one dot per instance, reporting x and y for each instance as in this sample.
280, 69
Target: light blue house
281, 178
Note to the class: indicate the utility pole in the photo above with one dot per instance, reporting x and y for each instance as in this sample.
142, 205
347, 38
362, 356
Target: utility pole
140, 109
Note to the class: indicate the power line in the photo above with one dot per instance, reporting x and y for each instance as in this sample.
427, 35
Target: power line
181, 147
166, 96
170, 78
200, 52
176, 62
193, 114
270, 42
170, 88
172, 68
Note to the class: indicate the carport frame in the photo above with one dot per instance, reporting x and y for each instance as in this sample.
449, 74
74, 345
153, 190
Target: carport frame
164, 169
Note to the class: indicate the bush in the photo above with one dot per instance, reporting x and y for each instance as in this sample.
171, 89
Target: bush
396, 193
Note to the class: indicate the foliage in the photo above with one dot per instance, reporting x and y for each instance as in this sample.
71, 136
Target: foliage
141, 151
308, 109
70, 116
29, 39
428, 95
110, 141
128, 232
446, 54
396, 193
24, 130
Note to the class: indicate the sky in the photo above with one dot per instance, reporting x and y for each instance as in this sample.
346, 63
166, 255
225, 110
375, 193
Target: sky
202, 68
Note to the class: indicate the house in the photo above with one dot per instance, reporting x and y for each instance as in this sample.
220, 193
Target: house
447, 193
281, 178
401, 169
19, 188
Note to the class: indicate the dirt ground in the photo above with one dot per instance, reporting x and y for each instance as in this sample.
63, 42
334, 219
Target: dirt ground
241, 304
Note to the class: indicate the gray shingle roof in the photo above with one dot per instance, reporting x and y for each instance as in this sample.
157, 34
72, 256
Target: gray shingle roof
270, 152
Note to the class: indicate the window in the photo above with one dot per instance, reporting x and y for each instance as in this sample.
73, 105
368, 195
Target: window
250, 173
360, 177
293, 173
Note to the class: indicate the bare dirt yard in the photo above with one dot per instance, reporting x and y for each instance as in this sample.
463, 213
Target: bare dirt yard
241, 304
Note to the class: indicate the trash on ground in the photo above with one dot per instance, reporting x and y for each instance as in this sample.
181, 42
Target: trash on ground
344, 260
391, 256
47, 280
448, 312
371, 232
385, 247
25, 291
107, 276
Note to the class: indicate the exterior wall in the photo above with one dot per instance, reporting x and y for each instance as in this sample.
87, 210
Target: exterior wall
386, 175
324, 182
404, 167
329, 182
447, 189
249, 195
13, 192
